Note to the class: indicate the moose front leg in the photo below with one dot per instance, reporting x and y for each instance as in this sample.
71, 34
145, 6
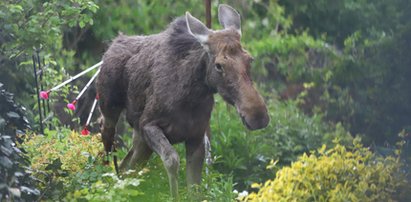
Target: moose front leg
158, 142
195, 153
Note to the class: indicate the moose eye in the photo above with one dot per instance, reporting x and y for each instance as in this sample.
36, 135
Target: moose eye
218, 67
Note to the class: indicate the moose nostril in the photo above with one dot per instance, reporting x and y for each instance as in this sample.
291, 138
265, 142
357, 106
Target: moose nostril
262, 120
265, 121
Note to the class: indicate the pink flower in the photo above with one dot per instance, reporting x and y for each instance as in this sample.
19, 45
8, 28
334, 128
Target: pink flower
72, 106
85, 131
44, 95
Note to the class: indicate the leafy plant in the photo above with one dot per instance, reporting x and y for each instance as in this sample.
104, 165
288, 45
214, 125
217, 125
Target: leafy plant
340, 19
245, 154
31, 26
64, 161
337, 174
108, 188
218, 187
368, 91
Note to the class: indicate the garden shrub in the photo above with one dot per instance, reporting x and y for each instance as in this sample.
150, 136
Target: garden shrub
73, 150
64, 161
337, 20
370, 91
337, 174
289, 134
108, 188
358, 84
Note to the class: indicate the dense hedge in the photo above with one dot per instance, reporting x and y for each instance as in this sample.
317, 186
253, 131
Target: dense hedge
16, 184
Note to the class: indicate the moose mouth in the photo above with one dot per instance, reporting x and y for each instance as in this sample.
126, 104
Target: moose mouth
250, 123
255, 123
242, 118
245, 122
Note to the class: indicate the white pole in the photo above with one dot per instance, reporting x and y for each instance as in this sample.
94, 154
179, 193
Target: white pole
77, 76
208, 158
87, 85
91, 112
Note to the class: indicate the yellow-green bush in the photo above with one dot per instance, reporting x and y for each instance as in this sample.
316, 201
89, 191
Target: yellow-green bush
72, 149
64, 161
336, 174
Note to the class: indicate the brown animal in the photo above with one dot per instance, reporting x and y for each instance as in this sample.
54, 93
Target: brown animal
166, 83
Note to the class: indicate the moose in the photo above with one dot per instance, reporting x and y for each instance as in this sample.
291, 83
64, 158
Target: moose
166, 83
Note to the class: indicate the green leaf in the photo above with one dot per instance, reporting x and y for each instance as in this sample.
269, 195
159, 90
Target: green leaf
82, 24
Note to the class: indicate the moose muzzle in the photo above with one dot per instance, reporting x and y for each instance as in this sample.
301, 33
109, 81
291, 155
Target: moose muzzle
253, 111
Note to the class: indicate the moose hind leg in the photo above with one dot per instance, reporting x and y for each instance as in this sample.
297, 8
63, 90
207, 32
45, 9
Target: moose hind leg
139, 153
158, 142
108, 127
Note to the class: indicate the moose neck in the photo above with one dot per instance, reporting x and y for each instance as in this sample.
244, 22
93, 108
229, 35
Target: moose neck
199, 74
191, 57
207, 61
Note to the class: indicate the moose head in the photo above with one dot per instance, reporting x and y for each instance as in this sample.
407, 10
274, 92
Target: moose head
228, 70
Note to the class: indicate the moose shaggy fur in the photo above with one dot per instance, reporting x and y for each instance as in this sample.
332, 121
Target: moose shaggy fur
166, 83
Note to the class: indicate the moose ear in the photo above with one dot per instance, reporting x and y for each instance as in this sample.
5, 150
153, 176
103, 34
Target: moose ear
197, 28
229, 17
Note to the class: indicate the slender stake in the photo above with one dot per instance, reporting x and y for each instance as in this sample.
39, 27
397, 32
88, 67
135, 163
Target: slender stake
38, 94
47, 101
207, 147
43, 102
91, 111
87, 85
207, 4
76, 76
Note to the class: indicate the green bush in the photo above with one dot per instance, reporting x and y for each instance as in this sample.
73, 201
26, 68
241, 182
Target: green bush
64, 161
73, 150
364, 80
245, 154
369, 91
109, 188
337, 174
338, 19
